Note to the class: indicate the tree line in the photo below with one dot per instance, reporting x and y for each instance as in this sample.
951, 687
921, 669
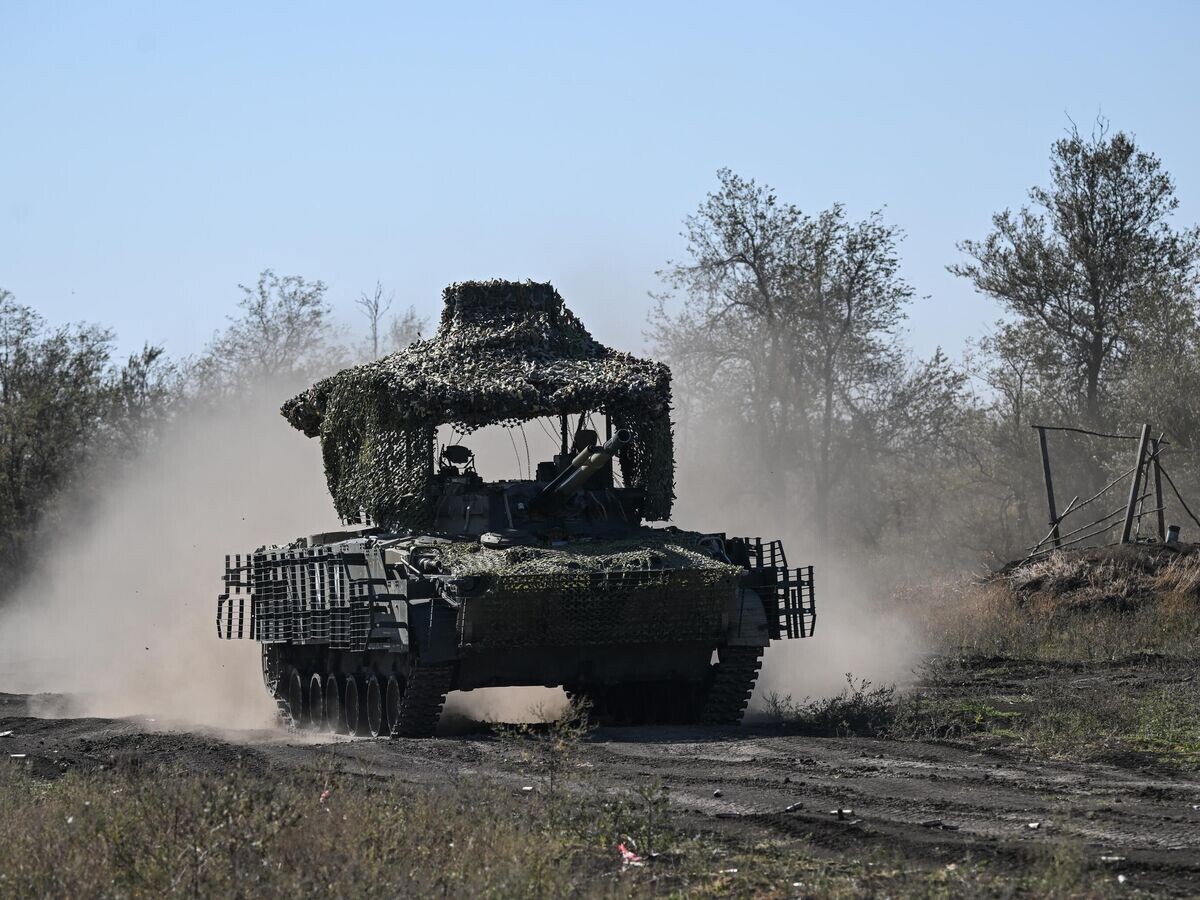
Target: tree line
788, 324
784, 329
72, 414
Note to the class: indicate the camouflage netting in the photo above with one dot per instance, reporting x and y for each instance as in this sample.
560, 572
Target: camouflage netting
505, 353
650, 551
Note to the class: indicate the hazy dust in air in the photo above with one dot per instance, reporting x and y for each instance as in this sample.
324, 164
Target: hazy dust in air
120, 611
859, 631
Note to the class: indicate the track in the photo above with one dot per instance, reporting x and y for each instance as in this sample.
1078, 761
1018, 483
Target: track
422, 702
932, 804
733, 682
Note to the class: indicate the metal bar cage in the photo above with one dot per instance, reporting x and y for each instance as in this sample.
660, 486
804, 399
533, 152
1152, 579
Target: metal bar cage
794, 601
305, 596
797, 602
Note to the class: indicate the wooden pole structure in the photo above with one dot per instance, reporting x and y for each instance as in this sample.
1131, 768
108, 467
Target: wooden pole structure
1135, 488
1049, 486
1158, 497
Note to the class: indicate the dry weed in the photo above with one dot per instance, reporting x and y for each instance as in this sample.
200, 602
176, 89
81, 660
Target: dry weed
1090, 605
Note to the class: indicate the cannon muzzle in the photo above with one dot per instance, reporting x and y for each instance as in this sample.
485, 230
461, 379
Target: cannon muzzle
582, 468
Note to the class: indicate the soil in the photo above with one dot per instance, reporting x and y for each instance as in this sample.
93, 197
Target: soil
930, 803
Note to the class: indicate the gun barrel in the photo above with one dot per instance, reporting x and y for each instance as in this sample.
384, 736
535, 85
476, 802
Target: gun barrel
582, 467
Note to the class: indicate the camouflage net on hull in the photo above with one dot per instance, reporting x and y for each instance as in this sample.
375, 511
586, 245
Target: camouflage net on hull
648, 551
656, 586
504, 353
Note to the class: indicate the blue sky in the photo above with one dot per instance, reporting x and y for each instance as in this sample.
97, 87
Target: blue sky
153, 156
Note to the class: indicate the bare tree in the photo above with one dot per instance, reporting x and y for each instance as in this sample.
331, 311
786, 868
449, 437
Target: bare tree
405, 328
375, 306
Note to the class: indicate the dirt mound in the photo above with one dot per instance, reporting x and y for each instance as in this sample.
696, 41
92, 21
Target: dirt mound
1116, 578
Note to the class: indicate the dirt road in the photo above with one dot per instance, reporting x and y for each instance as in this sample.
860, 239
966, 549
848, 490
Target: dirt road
934, 804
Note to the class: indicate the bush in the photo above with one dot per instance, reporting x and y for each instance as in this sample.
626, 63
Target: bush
859, 709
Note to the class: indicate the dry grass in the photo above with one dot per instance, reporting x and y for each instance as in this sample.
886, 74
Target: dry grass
1092, 605
861, 708
1158, 726
1132, 714
1082, 654
1117, 578
247, 835
156, 833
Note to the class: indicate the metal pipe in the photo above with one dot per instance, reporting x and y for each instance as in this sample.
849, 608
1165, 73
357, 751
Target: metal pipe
582, 467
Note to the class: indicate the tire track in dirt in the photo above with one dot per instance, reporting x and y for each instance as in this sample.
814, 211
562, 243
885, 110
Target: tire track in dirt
929, 803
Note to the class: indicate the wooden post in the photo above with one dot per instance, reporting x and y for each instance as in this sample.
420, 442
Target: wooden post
1158, 497
1049, 485
566, 434
1135, 489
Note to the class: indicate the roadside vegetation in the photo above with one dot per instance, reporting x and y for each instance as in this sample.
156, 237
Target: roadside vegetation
146, 831
1131, 713
1100, 605
1088, 655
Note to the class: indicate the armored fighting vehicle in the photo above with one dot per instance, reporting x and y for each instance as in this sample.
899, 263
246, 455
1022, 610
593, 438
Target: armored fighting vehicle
451, 582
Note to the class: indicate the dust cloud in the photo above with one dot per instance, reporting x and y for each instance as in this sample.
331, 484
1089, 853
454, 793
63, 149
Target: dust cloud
507, 704
120, 612
859, 631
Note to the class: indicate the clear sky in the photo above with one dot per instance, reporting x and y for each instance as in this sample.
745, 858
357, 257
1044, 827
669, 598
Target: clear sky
152, 156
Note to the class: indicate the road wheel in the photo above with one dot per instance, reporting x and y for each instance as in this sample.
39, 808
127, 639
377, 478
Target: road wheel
295, 697
316, 702
334, 723
374, 706
351, 707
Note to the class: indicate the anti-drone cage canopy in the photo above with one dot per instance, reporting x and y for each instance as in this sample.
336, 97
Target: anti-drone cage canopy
504, 353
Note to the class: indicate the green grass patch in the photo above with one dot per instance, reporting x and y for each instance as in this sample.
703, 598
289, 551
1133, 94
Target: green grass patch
1139, 712
924, 717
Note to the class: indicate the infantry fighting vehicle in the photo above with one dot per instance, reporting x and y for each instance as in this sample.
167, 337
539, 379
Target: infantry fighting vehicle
452, 582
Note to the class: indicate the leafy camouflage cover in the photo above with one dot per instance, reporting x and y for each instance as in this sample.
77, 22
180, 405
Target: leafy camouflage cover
505, 353
650, 550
